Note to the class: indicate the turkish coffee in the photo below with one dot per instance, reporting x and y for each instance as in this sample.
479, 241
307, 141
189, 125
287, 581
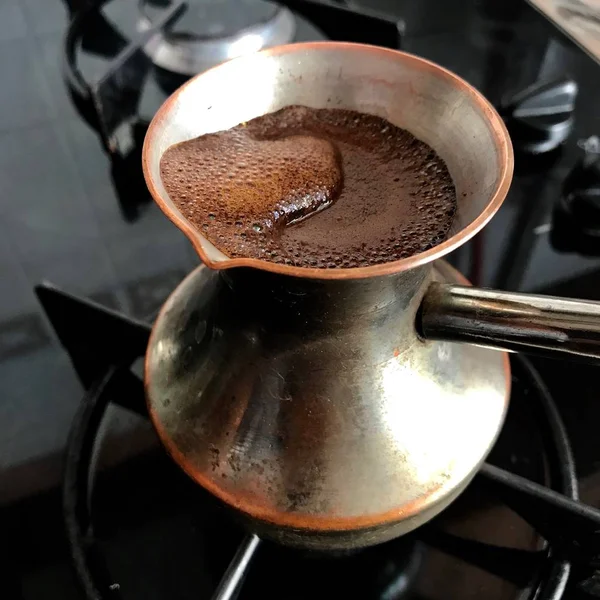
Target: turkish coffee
325, 188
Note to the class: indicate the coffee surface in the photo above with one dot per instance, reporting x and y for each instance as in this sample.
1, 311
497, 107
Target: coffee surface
313, 188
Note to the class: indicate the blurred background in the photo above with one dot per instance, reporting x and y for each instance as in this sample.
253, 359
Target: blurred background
81, 80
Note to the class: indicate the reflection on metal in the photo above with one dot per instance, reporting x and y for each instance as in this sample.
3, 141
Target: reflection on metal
188, 55
543, 229
590, 145
234, 575
314, 408
510, 321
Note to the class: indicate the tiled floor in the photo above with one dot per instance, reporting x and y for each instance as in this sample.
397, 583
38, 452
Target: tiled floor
59, 221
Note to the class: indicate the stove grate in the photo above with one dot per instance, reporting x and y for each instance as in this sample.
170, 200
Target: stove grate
570, 527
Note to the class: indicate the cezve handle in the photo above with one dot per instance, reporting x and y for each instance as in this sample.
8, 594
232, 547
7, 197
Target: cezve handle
510, 321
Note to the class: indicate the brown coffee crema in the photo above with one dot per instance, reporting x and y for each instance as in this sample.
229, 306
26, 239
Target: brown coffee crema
308, 187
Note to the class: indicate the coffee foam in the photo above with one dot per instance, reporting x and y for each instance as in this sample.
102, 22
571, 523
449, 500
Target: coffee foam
259, 190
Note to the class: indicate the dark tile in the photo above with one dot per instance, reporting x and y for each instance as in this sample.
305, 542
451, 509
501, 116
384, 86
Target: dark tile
46, 233
86, 270
141, 256
22, 335
45, 209
12, 20
24, 95
40, 394
48, 51
107, 300
148, 295
29, 166
112, 224
45, 17
90, 160
16, 293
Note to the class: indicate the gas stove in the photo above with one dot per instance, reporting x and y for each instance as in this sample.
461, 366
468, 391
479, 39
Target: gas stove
123, 521
145, 530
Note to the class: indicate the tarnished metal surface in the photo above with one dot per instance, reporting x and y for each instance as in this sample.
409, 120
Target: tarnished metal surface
536, 324
314, 409
188, 55
304, 397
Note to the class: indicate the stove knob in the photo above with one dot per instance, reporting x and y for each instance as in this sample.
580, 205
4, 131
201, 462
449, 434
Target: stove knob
540, 117
576, 217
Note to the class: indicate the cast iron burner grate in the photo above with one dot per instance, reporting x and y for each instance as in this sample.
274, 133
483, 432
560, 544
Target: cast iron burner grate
103, 345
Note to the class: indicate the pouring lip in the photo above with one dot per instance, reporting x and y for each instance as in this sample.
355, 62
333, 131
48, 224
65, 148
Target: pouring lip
497, 127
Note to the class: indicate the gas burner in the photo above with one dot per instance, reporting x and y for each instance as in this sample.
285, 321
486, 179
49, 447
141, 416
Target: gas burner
184, 40
477, 548
134, 72
212, 32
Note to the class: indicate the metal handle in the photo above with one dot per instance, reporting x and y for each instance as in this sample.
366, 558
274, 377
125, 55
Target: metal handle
509, 321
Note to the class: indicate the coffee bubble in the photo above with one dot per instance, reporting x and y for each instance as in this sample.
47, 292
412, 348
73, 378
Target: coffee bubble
319, 188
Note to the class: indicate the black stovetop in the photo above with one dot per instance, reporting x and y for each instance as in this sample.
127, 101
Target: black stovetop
66, 220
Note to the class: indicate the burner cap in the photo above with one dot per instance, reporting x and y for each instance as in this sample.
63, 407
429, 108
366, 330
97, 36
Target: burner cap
211, 32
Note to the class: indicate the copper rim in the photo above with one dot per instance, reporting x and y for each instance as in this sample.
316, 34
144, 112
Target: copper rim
499, 132
273, 516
